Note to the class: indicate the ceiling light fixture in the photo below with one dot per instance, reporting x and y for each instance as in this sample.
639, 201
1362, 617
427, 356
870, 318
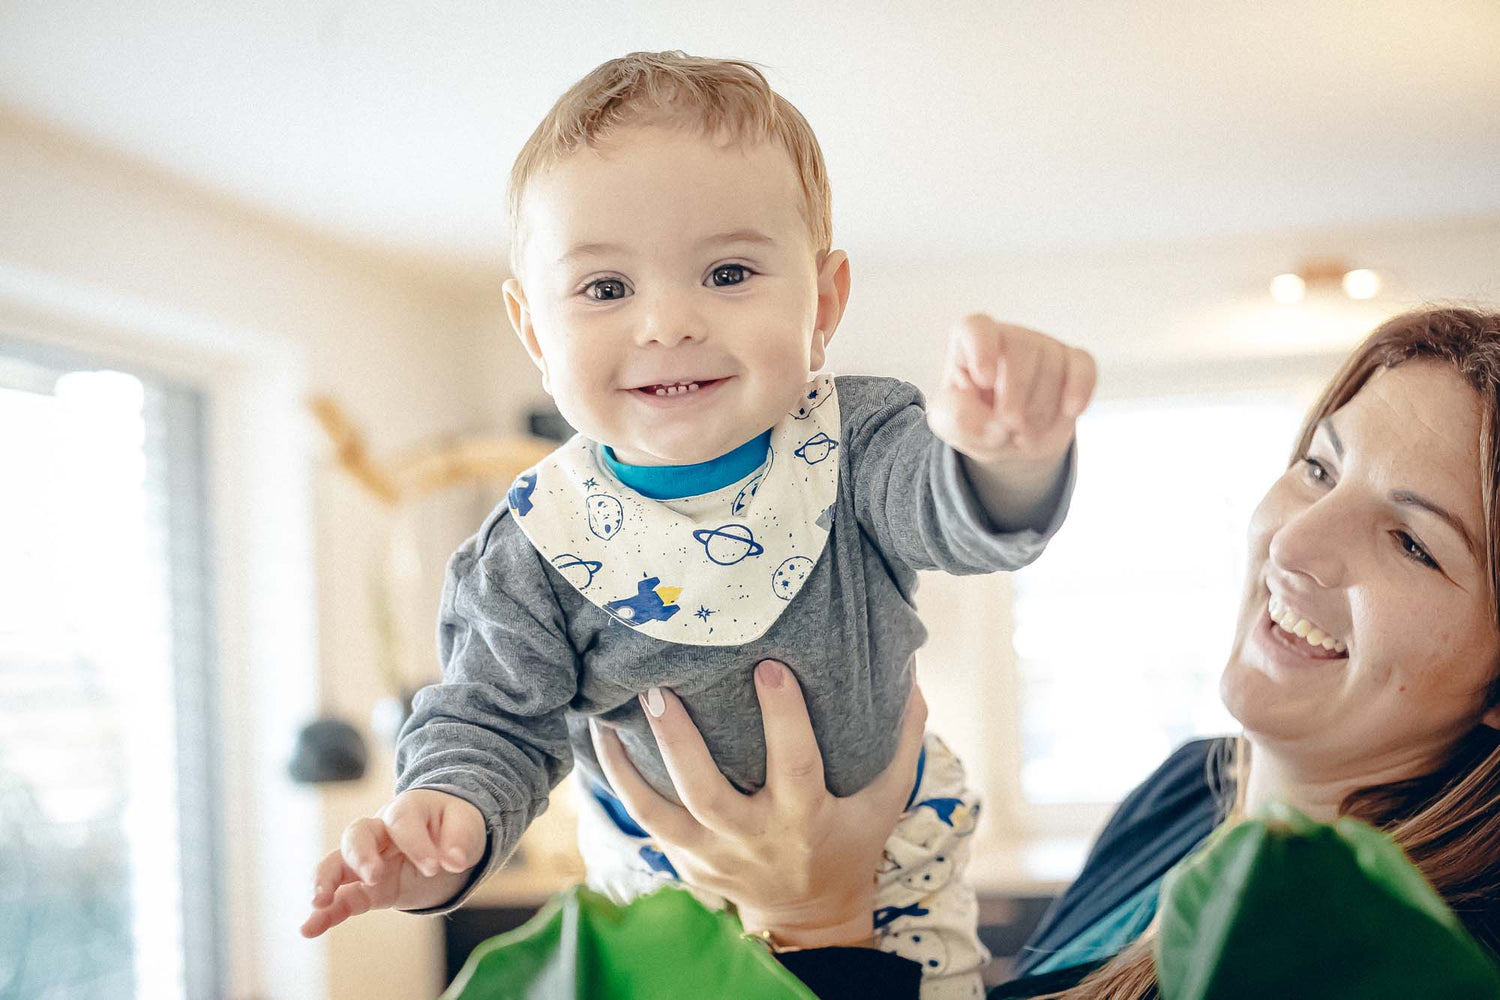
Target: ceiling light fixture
1321, 275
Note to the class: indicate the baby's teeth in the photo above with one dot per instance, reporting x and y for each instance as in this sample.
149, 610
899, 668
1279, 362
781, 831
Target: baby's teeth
1301, 628
1314, 637
676, 390
1328, 643
1287, 620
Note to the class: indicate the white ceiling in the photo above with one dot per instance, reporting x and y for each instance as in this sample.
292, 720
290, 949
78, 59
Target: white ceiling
967, 128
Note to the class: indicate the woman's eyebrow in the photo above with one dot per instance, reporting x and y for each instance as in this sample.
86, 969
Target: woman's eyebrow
1409, 498
1326, 426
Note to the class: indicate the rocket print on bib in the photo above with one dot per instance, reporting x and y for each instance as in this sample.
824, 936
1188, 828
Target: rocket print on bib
710, 570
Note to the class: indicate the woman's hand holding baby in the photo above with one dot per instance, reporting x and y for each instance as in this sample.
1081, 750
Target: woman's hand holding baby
1009, 403
796, 860
416, 852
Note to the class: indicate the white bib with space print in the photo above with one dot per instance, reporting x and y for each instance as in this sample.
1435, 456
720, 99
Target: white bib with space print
710, 570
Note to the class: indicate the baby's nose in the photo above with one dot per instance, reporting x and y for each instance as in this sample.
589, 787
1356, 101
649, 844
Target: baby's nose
669, 321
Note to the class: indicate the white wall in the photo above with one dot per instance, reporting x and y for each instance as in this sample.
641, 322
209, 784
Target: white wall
1144, 305
103, 254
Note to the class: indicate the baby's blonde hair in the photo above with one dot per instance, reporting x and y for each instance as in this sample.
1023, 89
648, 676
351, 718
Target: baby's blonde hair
719, 97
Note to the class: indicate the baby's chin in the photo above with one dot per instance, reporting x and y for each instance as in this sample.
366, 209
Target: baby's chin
667, 454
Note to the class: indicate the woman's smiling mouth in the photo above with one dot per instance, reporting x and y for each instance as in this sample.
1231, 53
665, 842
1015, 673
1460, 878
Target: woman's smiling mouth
1292, 630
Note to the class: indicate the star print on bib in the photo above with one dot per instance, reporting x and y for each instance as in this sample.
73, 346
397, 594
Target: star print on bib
710, 570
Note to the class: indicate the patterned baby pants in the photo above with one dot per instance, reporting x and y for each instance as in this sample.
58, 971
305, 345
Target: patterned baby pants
926, 910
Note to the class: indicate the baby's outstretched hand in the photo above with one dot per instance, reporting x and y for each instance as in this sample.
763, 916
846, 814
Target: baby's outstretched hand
415, 853
1009, 393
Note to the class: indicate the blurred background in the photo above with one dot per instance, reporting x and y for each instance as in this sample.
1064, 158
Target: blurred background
212, 214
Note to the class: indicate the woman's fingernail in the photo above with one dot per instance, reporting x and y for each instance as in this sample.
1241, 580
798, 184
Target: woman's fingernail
456, 855
769, 673
655, 703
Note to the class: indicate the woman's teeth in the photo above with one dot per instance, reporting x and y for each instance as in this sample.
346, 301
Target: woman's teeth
1288, 619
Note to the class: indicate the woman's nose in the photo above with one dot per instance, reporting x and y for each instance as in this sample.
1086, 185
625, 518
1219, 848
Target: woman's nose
668, 321
1313, 542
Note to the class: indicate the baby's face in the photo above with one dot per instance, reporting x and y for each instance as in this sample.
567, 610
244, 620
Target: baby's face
663, 261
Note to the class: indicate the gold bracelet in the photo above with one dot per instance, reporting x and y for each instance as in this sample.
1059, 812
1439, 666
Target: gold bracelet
767, 939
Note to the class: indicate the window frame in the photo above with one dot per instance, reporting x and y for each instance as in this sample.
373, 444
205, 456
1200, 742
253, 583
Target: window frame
260, 518
176, 455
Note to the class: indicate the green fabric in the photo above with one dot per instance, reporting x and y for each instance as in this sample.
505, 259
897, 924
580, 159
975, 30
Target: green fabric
1107, 935
1285, 907
665, 946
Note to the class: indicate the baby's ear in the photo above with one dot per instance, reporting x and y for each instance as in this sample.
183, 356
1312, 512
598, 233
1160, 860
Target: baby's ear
520, 321
833, 295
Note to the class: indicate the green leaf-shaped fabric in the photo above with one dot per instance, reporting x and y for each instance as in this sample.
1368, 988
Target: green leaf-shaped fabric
1285, 907
663, 946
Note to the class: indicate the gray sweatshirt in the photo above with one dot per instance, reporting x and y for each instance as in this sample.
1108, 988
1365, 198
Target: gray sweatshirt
527, 659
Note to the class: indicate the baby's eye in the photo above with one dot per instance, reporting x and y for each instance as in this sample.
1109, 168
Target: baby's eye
729, 274
605, 289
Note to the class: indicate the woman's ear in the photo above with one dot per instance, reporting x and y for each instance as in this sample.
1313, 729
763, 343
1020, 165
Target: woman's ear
833, 296
520, 321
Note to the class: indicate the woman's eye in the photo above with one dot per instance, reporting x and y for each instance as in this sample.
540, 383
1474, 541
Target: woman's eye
1316, 471
605, 289
729, 274
1412, 549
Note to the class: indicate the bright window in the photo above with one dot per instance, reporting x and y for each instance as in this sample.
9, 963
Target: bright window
1122, 627
106, 743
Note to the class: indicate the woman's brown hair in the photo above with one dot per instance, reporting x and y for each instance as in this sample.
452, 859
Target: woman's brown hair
1447, 821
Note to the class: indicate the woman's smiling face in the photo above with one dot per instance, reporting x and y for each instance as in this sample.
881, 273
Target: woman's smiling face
1376, 537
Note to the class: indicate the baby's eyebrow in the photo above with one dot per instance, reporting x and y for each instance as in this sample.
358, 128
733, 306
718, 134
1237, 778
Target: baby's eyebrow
738, 236
589, 250
581, 250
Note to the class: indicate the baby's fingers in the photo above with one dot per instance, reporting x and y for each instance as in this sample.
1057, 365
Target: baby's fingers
460, 835
350, 900
407, 822
331, 873
1078, 384
363, 843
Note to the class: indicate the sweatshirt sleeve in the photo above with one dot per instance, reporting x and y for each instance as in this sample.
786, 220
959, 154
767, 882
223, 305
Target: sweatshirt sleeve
493, 732
912, 495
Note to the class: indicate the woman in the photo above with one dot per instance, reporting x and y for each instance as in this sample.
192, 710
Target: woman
1365, 671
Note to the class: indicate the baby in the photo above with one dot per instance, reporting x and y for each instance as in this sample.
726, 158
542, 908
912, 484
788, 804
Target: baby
721, 504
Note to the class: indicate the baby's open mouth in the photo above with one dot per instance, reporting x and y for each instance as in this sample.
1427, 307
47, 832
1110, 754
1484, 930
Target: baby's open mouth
676, 388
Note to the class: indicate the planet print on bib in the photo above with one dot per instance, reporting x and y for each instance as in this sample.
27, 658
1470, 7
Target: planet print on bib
790, 576
816, 448
728, 544
605, 515
579, 572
